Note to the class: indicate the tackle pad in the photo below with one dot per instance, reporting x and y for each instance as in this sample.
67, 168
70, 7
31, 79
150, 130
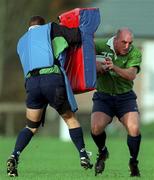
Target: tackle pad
80, 63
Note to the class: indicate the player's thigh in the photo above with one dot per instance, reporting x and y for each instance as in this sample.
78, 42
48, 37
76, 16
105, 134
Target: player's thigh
103, 103
35, 99
131, 121
34, 114
54, 90
126, 103
99, 121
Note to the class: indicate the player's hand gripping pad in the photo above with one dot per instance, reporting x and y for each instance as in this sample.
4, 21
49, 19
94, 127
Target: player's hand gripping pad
80, 63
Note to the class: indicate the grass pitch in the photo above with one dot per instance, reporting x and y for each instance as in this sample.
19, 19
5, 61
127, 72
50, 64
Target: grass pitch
47, 158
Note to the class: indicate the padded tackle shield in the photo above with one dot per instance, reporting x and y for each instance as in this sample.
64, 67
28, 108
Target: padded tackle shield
80, 62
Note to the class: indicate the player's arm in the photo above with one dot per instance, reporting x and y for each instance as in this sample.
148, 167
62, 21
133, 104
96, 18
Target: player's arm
132, 66
63, 37
71, 35
126, 73
99, 48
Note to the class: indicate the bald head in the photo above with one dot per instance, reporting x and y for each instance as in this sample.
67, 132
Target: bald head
124, 32
123, 40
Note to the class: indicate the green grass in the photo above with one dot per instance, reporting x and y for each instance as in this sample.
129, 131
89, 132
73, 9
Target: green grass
50, 159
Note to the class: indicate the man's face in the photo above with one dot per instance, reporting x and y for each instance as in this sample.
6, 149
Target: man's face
122, 43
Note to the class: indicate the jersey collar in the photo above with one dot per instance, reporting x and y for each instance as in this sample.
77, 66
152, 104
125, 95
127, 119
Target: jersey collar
34, 26
111, 45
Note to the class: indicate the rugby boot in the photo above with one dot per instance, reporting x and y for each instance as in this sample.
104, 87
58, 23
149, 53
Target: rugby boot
100, 162
85, 163
133, 165
12, 164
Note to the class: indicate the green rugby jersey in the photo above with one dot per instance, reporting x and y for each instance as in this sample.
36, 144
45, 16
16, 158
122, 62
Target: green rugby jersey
110, 82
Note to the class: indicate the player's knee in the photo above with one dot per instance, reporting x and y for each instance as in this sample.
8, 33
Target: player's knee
67, 115
33, 126
134, 131
96, 129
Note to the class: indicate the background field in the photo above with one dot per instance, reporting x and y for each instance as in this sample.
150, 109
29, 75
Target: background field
51, 159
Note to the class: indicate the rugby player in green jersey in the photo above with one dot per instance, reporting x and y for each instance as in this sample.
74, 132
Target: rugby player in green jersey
115, 95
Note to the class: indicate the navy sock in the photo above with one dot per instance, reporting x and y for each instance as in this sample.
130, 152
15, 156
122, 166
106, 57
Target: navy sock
134, 146
23, 139
76, 135
100, 141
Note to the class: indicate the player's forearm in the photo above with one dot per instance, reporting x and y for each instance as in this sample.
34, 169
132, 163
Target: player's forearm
129, 74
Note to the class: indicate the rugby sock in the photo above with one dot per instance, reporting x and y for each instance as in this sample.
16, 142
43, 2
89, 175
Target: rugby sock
23, 139
76, 135
134, 146
100, 141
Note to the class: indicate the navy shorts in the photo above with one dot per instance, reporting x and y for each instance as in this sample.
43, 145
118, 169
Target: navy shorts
115, 105
47, 89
